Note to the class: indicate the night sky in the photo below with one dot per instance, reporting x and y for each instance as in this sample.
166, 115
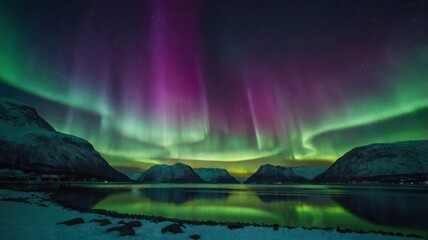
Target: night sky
230, 84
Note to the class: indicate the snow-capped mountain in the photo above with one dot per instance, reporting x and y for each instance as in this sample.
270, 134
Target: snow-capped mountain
275, 174
177, 173
385, 162
215, 175
29, 143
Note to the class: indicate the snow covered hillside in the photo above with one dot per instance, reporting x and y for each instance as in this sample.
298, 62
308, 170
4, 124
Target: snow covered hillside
386, 162
275, 174
177, 173
215, 175
29, 143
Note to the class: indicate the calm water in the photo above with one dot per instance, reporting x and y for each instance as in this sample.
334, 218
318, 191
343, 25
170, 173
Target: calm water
390, 208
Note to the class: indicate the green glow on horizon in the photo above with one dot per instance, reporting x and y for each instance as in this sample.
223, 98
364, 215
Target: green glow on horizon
403, 98
129, 133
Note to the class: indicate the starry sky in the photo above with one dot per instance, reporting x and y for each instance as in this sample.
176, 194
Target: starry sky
230, 84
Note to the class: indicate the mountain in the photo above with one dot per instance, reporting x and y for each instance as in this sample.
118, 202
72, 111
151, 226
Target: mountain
309, 173
177, 173
215, 175
384, 162
132, 175
30, 144
269, 174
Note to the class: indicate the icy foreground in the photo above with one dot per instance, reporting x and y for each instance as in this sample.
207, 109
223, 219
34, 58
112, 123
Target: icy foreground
37, 220
386, 162
29, 143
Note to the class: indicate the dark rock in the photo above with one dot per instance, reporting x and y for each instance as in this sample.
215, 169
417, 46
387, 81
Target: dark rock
72, 222
103, 222
414, 235
275, 227
123, 230
232, 226
173, 228
131, 223
195, 236
181, 225
23, 200
134, 223
42, 205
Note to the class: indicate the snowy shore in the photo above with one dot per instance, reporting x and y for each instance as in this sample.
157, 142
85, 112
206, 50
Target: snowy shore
31, 215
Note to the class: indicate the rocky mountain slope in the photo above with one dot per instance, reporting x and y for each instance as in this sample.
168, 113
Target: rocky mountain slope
269, 174
385, 162
30, 144
215, 175
177, 173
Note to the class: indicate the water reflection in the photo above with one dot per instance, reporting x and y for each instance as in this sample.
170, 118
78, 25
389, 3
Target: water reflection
180, 195
84, 198
281, 197
389, 209
395, 210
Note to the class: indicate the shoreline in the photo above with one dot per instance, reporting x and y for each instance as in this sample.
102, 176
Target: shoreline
226, 227
215, 223
52, 186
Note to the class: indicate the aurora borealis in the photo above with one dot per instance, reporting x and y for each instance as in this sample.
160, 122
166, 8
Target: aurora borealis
231, 84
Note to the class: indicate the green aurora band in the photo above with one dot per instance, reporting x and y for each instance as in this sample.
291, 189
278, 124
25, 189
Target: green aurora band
385, 99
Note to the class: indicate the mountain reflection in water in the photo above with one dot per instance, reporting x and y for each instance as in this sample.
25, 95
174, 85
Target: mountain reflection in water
394, 210
181, 195
387, 208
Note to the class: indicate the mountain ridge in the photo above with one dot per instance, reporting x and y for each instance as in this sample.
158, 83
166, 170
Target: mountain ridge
29, 143
270, 174
215, 175
383, 162
176, 173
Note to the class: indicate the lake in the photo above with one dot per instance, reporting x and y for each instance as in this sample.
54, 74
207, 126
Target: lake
388, 208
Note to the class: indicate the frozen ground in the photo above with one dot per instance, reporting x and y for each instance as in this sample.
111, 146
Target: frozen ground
33, 220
